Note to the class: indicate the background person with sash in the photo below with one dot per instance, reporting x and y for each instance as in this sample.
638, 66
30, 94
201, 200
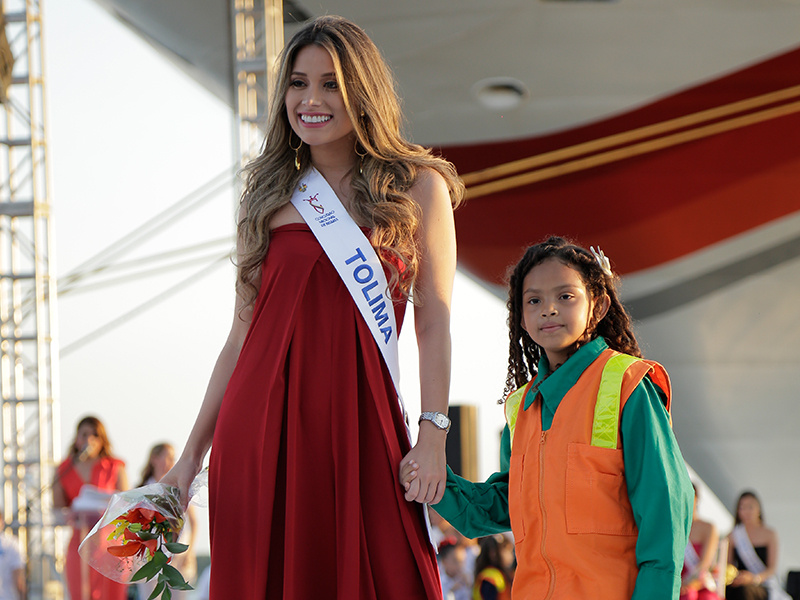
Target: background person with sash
83, 484
753, 550
697, 582
592, 482
304, 417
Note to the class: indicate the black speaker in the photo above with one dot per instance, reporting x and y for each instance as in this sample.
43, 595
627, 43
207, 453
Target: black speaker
462, 441
793, 584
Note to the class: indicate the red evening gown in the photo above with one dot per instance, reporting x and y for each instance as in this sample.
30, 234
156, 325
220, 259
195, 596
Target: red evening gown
98, 587
304, 498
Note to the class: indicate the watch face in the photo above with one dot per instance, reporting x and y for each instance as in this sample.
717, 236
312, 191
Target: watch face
441, 421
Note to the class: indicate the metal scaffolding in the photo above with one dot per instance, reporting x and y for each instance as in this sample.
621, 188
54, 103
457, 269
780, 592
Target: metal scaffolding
257, 39
28, 349
29, 417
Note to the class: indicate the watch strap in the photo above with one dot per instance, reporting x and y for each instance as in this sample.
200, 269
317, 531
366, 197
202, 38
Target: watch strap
434, 417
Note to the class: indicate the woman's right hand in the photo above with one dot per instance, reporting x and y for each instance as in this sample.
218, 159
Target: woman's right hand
181, 476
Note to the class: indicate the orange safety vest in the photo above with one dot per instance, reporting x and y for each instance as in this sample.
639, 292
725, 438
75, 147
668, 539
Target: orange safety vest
573, 525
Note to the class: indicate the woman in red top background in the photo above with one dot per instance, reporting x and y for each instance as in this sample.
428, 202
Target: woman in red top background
89, 463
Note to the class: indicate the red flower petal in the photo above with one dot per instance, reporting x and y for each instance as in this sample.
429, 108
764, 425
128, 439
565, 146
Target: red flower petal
135, 516
147, 515
126, 550
152, 545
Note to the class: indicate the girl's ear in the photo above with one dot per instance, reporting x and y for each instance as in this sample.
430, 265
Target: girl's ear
601, 306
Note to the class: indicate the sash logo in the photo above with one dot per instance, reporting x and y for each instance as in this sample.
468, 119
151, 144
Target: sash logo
314, 203
365, 277
303, 187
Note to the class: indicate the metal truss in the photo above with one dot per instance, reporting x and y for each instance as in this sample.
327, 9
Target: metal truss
257, 41
28, 351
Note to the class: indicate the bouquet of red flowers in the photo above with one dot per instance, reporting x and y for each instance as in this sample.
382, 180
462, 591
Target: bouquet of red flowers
137, 537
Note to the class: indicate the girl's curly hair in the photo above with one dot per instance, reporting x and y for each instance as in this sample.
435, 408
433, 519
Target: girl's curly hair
615, 327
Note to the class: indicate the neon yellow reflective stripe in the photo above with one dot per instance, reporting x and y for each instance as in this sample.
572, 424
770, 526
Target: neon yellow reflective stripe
606, 411
513, 403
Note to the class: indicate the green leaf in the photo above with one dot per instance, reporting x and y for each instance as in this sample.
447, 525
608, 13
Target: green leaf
146, 571
174, 576
146, 535
149, 569
177, 548
159, 588
167, 595
160, 558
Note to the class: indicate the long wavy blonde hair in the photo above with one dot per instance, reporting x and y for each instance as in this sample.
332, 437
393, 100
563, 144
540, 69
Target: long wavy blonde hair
389, 167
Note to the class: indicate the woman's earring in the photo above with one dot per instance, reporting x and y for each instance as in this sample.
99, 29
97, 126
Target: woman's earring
361, 162
296, 153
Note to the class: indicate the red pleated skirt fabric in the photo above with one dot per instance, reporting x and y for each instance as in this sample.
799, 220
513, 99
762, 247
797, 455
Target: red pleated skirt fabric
304, 498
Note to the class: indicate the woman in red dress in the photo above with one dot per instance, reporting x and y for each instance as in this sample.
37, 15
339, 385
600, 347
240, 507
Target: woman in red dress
89, 463
307, 431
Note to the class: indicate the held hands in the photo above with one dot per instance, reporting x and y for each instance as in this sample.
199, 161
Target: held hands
408, 474
422, 471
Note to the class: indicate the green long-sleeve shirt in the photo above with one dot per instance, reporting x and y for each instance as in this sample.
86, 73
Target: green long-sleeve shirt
658, 484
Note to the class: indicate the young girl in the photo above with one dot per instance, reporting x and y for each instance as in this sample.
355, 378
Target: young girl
593, 484
304, 416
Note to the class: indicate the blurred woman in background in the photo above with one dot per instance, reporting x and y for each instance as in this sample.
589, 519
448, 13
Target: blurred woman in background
753, 550
89, 474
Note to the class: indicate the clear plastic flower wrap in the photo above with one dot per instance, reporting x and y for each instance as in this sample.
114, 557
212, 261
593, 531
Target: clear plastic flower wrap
137, 536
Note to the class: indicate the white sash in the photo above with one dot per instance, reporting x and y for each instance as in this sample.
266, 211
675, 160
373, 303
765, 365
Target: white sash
357, 264
690, 558
751, 561
691, 561
361, 270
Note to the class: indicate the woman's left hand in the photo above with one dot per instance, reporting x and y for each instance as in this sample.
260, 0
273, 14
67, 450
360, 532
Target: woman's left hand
427, 459
434, 285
